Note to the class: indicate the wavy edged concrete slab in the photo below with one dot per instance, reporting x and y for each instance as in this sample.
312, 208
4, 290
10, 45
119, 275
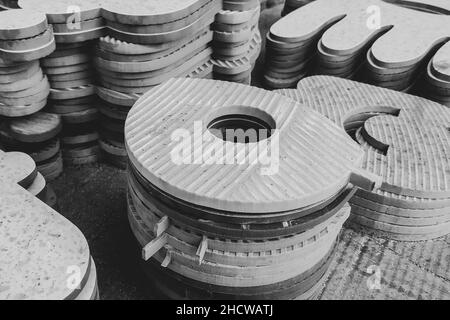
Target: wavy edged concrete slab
354, 40
40, 249
397, 47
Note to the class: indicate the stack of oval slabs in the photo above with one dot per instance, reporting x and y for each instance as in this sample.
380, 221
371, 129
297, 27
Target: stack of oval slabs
26, 37
42, 255
216, 222
139, 44
373, 41
406, 140
237, 41
148, 43
71, 75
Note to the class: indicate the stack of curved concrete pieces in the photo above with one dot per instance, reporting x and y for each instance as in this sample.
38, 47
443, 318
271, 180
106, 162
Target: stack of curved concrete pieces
26, 37
146, 47
244, 230
43, 256
437, 78
237, 41
70, 72
141, 45
391, 52
406, 141
292, 5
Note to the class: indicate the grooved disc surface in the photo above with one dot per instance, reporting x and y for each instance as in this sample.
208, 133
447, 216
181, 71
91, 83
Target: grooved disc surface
417, 161
322, 154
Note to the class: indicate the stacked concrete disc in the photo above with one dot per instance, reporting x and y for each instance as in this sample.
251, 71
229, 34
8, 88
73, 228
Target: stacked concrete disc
292, 5
405, 139
237, 42
144, 48
26, 37
58, 265
71, 74
382, 50
38, 136
211, 230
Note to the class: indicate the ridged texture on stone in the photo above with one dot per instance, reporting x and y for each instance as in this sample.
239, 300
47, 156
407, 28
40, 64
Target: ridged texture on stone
316, 157
417, 161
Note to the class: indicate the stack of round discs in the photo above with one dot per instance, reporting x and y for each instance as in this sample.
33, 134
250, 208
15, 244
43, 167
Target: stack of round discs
80, 143
437, 77
155, 22
146, 47
405, 139
36, 135
54, 248
70, 70
72, 96
114, 107
239, 70
136, 72
73, 21
256, 229
8, 4
26, 37
235, 31
291, 5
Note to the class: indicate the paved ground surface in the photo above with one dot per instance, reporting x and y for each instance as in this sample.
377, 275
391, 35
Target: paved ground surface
93, 198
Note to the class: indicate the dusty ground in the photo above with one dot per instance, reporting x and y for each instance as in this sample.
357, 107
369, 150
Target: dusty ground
93, 198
